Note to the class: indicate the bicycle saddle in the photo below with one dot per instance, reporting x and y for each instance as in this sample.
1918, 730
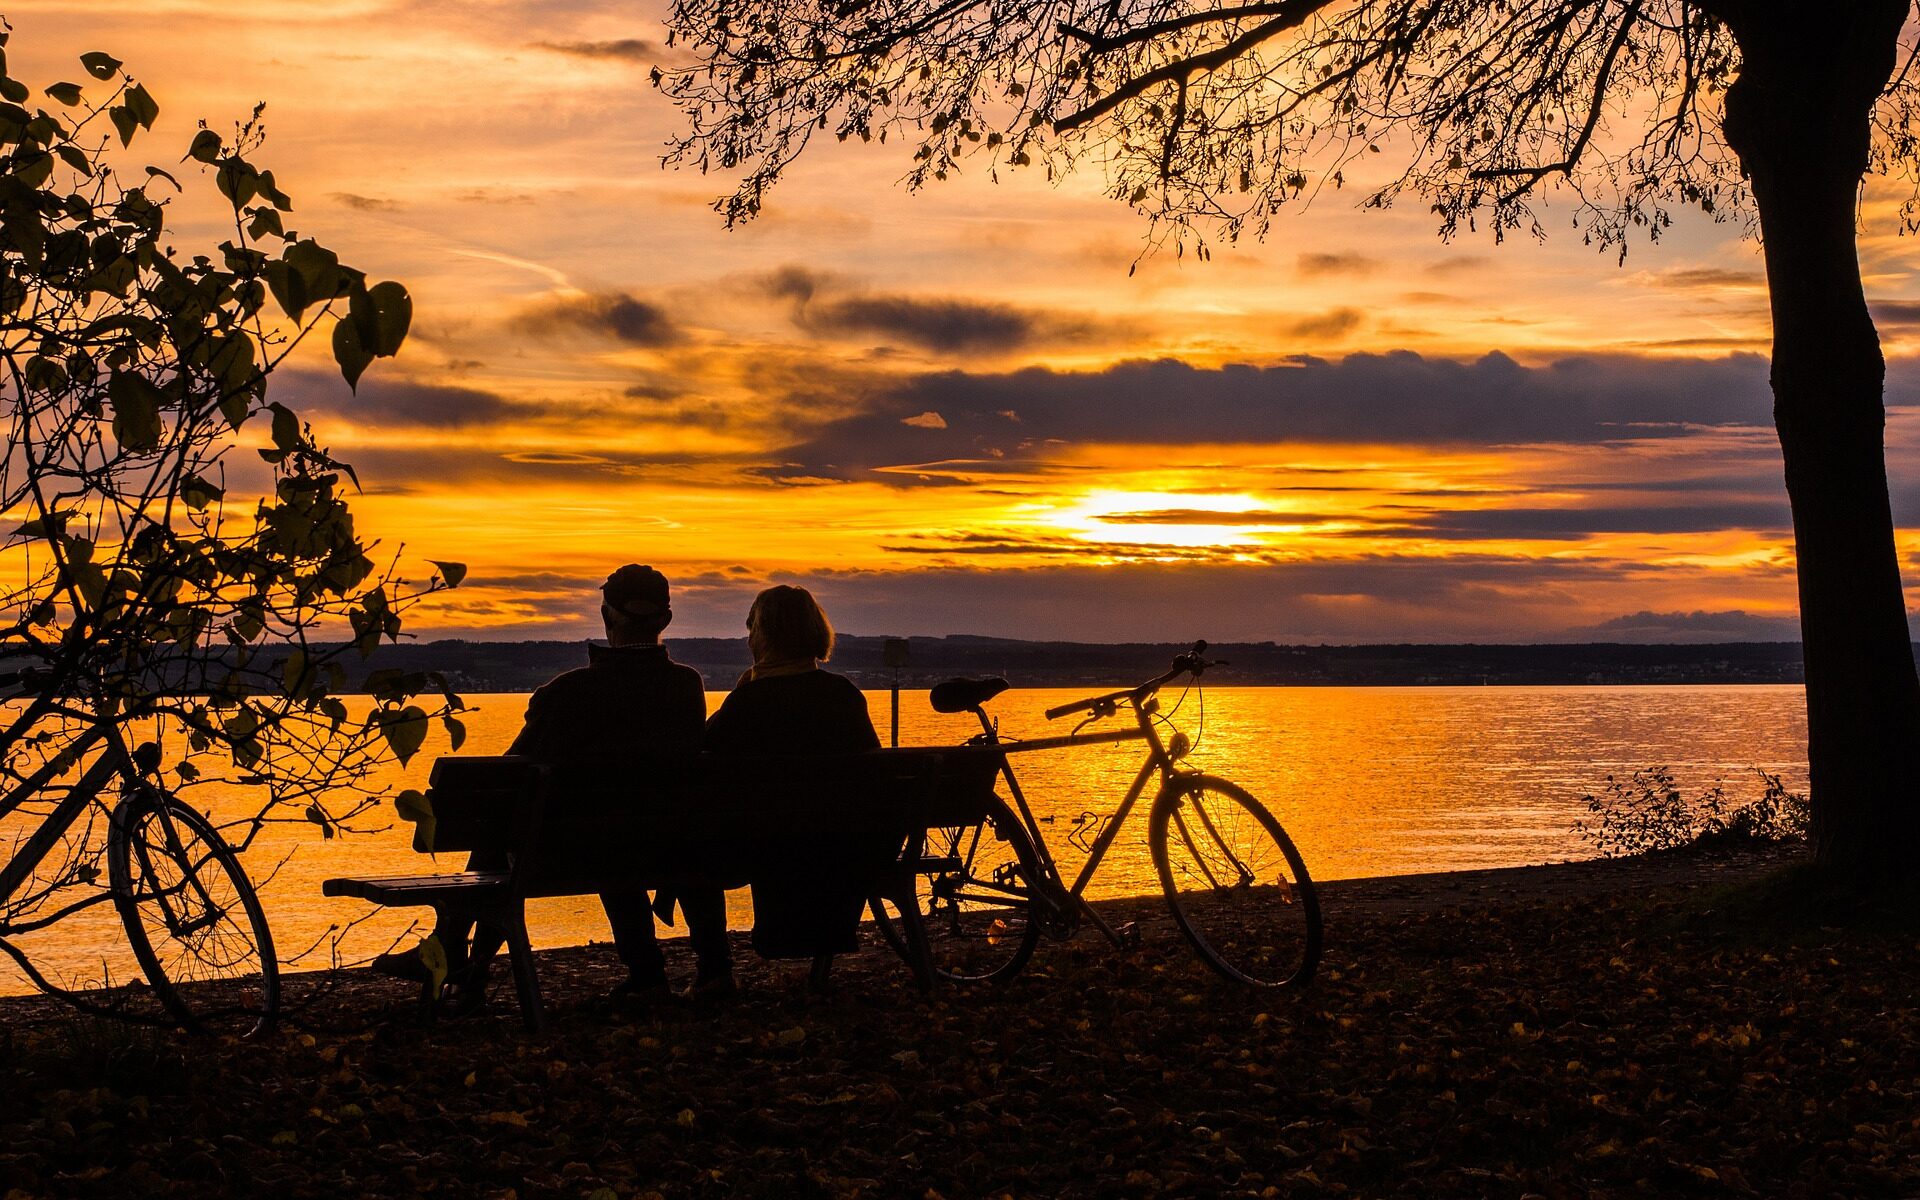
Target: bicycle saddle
964, 695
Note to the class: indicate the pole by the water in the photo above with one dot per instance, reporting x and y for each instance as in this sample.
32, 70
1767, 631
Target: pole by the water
894, 654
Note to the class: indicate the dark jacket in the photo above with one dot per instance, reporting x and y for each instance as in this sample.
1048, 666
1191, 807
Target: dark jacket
626, 700
814, 712
809, 902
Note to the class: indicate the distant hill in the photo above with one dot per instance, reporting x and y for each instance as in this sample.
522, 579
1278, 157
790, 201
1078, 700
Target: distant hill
523, 666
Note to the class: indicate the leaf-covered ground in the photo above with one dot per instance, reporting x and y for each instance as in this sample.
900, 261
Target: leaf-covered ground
1465, 1039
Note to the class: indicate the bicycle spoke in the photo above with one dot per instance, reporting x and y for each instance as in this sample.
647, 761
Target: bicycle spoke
1237, 888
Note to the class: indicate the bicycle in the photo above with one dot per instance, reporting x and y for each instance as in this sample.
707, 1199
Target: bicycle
193, 919
1237, 888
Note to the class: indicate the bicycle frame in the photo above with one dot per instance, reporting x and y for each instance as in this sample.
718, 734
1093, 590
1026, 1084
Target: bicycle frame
111, 761
1159, 761
85, 791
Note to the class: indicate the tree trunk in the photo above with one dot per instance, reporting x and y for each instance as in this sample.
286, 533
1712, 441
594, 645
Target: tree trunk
1799, 118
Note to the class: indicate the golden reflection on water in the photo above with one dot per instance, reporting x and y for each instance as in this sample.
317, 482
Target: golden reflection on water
1368, 781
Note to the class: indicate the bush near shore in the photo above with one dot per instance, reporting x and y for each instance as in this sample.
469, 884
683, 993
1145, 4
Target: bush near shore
1548, 1043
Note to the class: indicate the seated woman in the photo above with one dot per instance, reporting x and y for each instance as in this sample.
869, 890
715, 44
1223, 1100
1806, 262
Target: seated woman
786, 704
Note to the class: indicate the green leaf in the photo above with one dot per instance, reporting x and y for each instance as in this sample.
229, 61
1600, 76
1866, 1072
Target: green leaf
265, 220
350, 352
65, 93
123, 122
381, 315
53, 523
15, 91
142, 105
319, 817
205, 147
433, 956
452, 572
286, 428
198, 493
405, 730
318, 266
157, 173
456, 732
136, 410
288, 287
99, 65
413, 805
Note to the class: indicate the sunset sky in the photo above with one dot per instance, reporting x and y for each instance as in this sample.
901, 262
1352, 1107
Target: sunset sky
957, 411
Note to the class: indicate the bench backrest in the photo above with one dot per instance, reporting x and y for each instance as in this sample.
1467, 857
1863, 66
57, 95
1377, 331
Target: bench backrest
572, 823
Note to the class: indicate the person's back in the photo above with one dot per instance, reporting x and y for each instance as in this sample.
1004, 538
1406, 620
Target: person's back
627, 700
807, 712
787, 705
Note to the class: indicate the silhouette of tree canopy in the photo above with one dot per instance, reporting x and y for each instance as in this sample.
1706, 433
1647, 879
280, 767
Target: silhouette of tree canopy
138, 603
1209, 117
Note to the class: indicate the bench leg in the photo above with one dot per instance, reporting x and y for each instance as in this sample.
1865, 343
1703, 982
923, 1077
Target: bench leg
819, 980
526, 984
914, 929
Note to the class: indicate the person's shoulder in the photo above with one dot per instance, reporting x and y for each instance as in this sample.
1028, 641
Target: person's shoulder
564, 684
839, 684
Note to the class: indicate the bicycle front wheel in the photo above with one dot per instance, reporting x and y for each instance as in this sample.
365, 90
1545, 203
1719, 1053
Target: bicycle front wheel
974, 888
192, 917
1236, 885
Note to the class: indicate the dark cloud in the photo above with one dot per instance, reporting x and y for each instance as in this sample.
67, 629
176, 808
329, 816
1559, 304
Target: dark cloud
631, 50
365, 203
1397, 398
1555, 524
605, 314
826, 306
1330, 325
1895, 314
1461, 598
391, 403
943, 325
1707, 278
1313, 265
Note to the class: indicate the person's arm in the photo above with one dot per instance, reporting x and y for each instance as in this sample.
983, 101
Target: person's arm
726, 727
688, 721
536, 735
860, 721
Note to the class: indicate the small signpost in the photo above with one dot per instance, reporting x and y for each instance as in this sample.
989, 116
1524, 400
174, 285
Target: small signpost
895, 655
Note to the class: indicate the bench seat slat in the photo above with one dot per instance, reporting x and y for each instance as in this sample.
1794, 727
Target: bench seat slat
408, 890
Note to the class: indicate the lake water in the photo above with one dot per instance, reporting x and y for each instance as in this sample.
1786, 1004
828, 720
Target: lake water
1369, 781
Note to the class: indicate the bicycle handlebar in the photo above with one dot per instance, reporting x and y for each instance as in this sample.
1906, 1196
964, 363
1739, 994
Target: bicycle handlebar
1191, 661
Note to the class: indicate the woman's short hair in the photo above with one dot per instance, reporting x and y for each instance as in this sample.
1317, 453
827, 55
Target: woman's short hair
792, 623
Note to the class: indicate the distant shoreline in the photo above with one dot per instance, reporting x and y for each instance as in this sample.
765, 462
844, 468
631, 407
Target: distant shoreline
523, 666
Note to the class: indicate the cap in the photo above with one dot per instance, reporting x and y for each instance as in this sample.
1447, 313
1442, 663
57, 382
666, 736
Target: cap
637, 591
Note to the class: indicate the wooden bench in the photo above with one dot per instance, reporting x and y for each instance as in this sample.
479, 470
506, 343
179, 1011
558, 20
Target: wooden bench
662, 821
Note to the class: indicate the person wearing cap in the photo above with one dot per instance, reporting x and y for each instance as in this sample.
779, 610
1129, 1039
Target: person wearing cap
630, 698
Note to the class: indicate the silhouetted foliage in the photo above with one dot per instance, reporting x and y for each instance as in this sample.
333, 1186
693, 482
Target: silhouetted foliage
148, 596
1648, 812
1206, 115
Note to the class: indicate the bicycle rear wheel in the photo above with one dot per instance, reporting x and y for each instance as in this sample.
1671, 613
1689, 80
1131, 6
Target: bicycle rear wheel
192, 917
974, 891
1236, 885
